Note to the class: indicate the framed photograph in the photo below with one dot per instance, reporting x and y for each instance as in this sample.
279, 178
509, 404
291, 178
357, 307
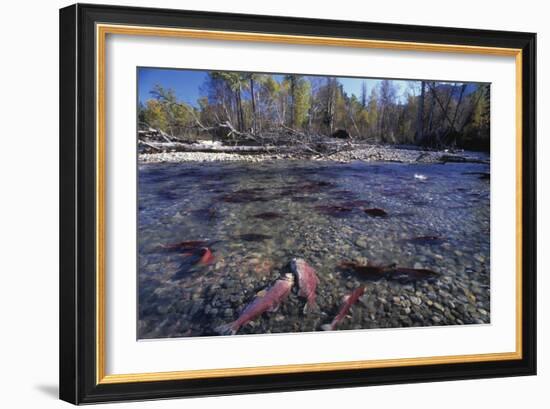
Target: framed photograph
258, 203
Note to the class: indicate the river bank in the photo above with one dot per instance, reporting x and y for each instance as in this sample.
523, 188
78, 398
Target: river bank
365, 153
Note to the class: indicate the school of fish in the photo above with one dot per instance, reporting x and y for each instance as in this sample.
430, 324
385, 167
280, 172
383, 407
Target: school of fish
198, 253
269, 300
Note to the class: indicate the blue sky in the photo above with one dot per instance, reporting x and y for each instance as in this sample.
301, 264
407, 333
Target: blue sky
187, 83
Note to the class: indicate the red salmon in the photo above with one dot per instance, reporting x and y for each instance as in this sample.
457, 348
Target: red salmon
349, 300
265, 301
192, 260
307, 282
184, 245
207, 256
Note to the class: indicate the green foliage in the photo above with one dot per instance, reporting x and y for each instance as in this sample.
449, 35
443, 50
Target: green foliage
234, 80
299, 90
372, 113
443, 114
155, 115
165, 113
476, 132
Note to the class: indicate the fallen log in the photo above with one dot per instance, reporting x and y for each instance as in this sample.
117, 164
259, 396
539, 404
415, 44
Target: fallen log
461, 159
197, 147
150, 145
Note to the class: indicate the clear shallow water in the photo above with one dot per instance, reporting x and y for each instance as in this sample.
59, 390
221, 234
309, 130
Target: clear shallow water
260, 215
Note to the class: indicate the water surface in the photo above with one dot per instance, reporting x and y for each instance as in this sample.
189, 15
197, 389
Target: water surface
257, 216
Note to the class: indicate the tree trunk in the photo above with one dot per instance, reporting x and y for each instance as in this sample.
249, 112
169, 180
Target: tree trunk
381, 136
253, 105
292, 101
330, 107
459, 102
363, 94
240, 116
431, 114
420, 116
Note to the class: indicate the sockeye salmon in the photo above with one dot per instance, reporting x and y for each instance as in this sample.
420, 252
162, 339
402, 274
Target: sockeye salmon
349, 300
307, 282
265, 301
196, 258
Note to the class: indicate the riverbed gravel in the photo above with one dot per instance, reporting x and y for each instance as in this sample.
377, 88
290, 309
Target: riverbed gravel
257, 216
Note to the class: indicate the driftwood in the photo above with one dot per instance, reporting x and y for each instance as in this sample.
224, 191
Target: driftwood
318, 145
197, 147
153, 134
281, 140
149, 145
461, 159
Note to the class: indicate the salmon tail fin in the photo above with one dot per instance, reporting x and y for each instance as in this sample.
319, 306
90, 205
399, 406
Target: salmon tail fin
227, 329
311, 307
327, 327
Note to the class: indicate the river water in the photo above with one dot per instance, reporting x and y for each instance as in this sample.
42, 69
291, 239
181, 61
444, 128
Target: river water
255, 217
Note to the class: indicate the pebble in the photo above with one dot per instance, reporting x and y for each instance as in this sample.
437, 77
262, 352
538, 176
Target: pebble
479, 258
362, 243
195, 308
163, 309
416, 300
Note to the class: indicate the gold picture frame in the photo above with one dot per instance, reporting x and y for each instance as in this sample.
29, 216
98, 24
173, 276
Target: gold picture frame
98, 21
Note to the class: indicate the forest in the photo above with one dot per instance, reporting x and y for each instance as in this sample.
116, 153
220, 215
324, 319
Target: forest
267, 109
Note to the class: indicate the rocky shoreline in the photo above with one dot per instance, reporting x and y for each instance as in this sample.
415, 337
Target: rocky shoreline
366, 153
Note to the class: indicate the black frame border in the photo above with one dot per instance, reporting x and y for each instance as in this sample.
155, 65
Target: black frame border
78, 197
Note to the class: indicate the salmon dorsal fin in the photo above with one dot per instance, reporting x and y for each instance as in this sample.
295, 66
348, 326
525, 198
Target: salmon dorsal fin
261, 293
